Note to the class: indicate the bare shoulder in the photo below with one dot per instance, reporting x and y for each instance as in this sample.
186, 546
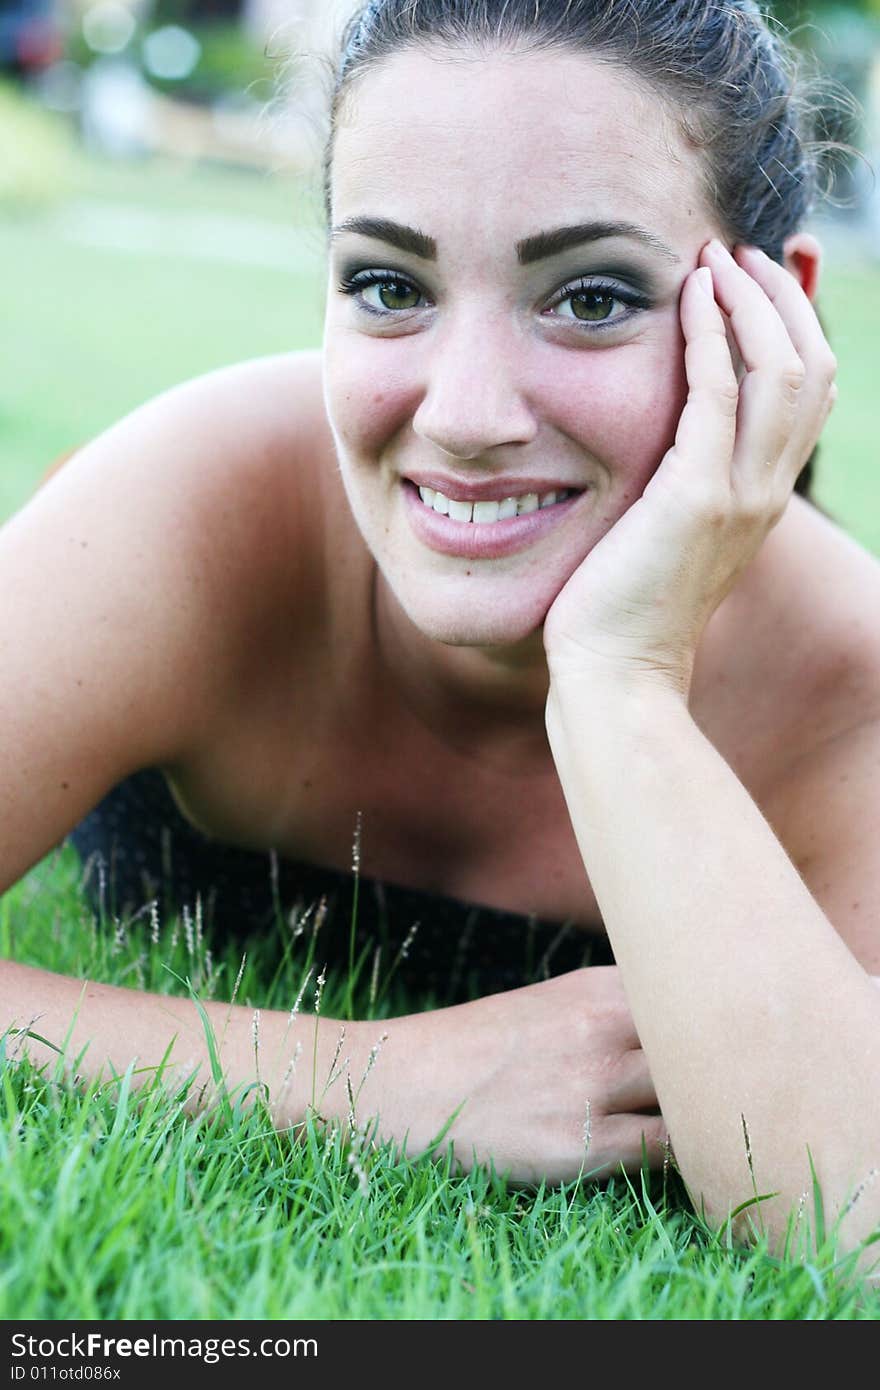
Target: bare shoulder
130, 581
247, 418
206, 483
252, 422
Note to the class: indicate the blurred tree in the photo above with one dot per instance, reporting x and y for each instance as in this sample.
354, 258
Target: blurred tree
195, 12
794, 12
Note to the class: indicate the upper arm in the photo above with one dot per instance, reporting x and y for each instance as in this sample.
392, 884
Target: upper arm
125, 583
827, 815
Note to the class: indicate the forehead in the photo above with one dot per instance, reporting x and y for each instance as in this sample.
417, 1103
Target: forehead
520, 137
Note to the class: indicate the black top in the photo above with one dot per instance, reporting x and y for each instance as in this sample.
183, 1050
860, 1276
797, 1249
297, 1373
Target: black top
148, 851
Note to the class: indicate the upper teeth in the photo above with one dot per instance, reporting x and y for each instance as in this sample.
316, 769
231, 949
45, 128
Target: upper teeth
482, 512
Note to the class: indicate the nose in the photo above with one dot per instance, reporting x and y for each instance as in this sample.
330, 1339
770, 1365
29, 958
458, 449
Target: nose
473, 401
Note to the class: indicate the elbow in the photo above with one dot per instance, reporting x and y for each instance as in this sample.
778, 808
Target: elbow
815, 1226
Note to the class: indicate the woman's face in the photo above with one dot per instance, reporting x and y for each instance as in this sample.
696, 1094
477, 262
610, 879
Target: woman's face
504, 364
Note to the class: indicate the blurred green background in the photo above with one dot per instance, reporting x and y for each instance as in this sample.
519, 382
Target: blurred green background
159, 217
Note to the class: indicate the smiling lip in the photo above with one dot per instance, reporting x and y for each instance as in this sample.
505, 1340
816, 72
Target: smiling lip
488, 489
472, 541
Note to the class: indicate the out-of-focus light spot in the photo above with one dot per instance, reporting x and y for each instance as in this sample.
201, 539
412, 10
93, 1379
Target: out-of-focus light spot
59, 87
171, 53
108, 26
117, 110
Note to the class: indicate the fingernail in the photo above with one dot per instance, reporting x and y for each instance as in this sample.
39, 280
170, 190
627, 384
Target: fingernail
705, 281
718, 249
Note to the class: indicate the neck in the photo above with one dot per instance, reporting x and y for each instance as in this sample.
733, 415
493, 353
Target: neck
489, 700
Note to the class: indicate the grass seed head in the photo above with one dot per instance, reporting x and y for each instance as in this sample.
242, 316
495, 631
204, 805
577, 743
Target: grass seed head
238, 977
374, 1053
319, 988
408, 940
356, 846
320, 916
188, 933
862, 1187
299, 998
374, 976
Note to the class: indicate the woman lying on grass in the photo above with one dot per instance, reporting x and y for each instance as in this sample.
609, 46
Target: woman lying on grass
520, 570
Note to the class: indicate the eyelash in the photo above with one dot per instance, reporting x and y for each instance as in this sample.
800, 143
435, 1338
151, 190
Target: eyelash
601, 288
352, 285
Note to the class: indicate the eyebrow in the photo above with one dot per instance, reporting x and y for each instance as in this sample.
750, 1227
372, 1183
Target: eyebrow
534, 248
553, 243
394, 233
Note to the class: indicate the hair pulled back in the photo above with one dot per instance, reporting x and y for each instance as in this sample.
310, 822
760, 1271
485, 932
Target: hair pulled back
738, 90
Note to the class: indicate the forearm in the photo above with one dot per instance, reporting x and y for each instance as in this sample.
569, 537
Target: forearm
752, 1012
502, 1079
403, 1079
103, 1029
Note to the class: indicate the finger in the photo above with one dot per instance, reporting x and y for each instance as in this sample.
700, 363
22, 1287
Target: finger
707, 428
762, 337
791, 304
807, 336
772, 419
631, 1087
769, 391
634, 1138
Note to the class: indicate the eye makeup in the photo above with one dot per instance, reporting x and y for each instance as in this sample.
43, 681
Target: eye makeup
400, 286
584, 294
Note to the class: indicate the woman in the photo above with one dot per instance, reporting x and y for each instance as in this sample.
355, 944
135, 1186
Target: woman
514, 571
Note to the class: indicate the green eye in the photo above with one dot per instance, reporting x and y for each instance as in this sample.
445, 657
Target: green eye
597, 303
381, 292
592, 306
396, 294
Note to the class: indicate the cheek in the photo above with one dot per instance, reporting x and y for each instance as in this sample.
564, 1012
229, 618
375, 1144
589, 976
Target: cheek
367, 392
621, 405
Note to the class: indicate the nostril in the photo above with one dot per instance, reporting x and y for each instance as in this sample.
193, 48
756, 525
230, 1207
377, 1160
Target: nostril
470, 420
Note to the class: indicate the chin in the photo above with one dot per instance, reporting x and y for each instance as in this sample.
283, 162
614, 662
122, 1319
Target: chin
478, 621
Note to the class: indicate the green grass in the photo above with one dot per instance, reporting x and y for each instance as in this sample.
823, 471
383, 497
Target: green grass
113, 1207
92, 331
849, 466
116, 1209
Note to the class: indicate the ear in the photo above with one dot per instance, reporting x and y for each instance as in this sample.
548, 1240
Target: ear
803, 258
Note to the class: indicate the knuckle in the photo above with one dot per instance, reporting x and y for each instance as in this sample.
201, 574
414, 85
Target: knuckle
756, 517
726, 392
713, 518
655, 1132
828, 366
772, 509
750, 508
714, 507
768, 491
792, 377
